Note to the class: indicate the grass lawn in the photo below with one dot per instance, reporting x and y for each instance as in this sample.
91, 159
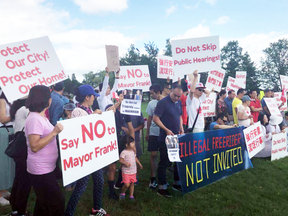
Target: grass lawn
261, 190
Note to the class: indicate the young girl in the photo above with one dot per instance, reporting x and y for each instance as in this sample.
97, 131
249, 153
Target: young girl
128, 160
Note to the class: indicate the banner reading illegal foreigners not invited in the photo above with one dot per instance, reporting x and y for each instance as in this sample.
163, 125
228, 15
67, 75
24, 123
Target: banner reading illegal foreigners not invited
28, 63
87, 144
210, 156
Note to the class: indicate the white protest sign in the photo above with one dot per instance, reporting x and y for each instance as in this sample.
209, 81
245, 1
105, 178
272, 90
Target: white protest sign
208, 107
277, 96
87, 144
215, 79
254, 139
272, 106
241, 78
284, 82
279, 146
134, 77
202, 54
112, 55
165, 67
131, 107
231, 84
172, 144
28, 63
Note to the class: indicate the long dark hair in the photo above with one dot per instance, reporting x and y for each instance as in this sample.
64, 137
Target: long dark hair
222, 92
261, 118
15, 106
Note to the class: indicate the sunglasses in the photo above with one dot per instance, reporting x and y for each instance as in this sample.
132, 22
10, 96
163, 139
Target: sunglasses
225, 121
201, 90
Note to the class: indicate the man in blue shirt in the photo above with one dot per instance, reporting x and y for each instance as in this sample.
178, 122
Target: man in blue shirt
228, 100
168, 116
56, 108
220, 123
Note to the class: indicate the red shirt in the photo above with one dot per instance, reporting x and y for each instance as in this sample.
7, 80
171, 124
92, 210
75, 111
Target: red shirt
256, 104
184, 111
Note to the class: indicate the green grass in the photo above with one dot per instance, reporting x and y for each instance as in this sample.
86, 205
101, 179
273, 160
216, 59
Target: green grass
261, 190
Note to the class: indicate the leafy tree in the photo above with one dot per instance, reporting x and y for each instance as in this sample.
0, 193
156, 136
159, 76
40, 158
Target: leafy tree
274, 64
94, 79
168, 50
71, 84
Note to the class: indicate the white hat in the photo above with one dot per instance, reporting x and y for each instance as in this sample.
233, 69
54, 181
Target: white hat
200, 85
275, 120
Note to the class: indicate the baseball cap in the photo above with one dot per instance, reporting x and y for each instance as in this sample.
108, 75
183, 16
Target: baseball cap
245, 98
69, 106
87, 90
200, 85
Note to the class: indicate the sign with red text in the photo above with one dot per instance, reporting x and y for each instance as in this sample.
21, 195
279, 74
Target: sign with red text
165, 67
231, 84
112, 55
87, 144
277, 96
284, 82
208, 107
134, 77
254, 139
202, 54
241, 79
28, 63
215, 79
279, 146
272, 106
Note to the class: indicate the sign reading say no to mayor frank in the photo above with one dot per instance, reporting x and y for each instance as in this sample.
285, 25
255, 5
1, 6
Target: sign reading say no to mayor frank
202, 54
28, 63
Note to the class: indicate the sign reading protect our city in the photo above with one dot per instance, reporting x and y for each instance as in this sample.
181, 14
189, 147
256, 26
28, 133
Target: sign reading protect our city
202, 54
28, 63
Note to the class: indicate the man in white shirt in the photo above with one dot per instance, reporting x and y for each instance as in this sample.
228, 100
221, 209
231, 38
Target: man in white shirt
105, 97
193, 103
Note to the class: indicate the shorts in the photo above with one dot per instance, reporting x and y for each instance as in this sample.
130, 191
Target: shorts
153, 143
128, 178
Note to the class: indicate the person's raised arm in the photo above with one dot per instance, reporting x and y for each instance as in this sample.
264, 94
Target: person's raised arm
105, 85
115, 86
193, 78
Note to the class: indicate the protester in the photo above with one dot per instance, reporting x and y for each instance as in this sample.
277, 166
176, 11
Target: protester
244, 114
7, 164
194, 100
56, 108
228, 101
268, 130
128, 159
167, 116
166, 89
237, 101
255, 105
220, 123
284, 123
268, 94
22, 184
85, 95
120, 120
221, 105
184, 108
105, 97
43, 154
152, 133
65, 97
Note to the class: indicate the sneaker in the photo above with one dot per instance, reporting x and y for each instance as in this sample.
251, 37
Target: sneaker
132, 198
16, 214
113, 196
100, 212
153, 184
118, 186
177, 188
4, 202
164, 193
121, 196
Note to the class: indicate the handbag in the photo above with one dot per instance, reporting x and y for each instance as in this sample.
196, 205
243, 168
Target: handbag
17, 147
190, 130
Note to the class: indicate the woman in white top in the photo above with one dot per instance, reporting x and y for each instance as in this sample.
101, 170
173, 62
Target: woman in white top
270, 129
7, 164
22, 184
243, 113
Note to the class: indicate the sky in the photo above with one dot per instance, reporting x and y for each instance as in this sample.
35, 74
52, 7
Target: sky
80, 29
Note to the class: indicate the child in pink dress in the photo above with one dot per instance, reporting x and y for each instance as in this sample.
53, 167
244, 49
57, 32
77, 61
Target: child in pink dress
128, 160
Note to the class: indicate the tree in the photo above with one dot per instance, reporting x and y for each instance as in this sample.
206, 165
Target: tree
168, 50
71, 84
233, 60
274, 64
94, 79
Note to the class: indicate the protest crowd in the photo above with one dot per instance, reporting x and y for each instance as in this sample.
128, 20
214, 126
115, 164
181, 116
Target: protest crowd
175, 108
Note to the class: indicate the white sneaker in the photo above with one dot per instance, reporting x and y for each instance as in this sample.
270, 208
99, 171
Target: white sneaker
6, 194
4, 202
